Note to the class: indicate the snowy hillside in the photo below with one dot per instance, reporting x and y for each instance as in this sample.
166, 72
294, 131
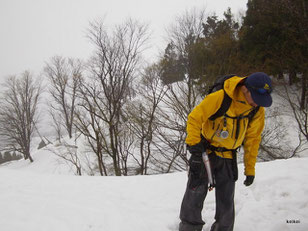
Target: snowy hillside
38, 197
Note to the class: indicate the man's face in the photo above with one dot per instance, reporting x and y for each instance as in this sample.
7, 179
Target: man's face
248, 97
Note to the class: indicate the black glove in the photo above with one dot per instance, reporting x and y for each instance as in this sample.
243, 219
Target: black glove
195, 166
197, 149
196, 163
249, 180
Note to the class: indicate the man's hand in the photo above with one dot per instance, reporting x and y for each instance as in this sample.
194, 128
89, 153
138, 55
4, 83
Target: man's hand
195, 166
196, 163
249, 180
196, 149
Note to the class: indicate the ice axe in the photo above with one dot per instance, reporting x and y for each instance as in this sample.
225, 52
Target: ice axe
207, 164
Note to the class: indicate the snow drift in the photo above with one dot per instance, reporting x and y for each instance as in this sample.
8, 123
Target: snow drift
44, 196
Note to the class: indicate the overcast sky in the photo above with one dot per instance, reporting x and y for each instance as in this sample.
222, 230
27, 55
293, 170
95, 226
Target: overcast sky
32, 31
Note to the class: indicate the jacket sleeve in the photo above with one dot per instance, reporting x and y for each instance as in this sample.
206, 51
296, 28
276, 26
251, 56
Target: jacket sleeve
200, 114
252, 141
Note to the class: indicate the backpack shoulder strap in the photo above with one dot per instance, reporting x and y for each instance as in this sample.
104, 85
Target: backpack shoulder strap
252, 113
226, 102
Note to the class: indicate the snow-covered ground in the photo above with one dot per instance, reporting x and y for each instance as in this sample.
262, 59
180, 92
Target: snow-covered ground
43, 197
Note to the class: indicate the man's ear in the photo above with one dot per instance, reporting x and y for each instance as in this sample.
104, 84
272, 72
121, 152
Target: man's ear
244, 89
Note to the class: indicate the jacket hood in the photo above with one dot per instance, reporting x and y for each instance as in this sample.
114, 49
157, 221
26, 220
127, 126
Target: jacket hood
231, 84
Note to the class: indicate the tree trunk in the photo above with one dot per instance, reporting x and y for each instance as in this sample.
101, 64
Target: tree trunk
292, 77
28, 156
304, 91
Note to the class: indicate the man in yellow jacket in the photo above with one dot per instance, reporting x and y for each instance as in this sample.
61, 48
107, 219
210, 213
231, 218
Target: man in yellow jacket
220, 137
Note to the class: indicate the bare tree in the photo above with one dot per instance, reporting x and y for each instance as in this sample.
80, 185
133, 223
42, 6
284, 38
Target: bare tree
63, 75
187, 28
126, 148
108, 86
89, 124
179, 101
69, 153
180, 58
274, 143
183, 96
299, 109
18, 112
142, 116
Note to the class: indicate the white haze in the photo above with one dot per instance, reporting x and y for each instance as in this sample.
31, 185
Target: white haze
32, 31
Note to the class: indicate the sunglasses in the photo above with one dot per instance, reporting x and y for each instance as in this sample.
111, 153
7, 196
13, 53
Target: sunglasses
262, 91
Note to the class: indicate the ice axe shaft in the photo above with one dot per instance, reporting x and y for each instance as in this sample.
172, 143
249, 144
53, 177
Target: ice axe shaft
206, 162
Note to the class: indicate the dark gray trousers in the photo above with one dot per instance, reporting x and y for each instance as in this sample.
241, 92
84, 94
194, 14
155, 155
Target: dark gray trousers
192, 204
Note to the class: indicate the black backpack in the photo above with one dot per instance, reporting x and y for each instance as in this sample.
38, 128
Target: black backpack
226, 102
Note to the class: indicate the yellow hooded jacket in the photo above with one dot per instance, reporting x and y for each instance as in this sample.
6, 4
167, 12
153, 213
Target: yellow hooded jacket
249, 132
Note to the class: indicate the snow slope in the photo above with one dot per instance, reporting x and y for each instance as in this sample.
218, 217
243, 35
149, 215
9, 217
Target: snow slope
38, 197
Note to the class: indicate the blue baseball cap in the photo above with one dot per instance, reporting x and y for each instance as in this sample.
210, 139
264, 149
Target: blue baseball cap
259, 85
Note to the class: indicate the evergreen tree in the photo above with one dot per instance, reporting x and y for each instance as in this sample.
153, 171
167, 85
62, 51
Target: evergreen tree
274, 38
7, 156
1, 158
172, 69
14, 156
220, 47
204, 56
273, 35
180, 59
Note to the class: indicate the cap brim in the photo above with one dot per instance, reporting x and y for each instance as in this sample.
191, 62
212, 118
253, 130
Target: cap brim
263, 100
